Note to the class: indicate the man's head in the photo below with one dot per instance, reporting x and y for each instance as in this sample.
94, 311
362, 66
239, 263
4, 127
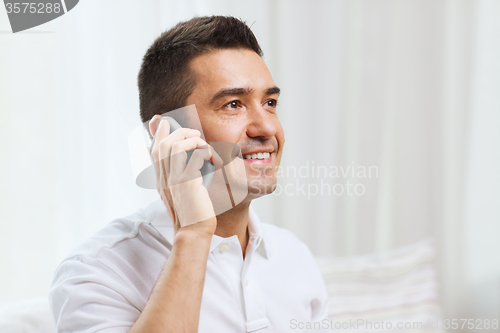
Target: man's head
165, 79
215, 63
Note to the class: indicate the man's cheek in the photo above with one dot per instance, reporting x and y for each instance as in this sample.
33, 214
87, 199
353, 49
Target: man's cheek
224, 135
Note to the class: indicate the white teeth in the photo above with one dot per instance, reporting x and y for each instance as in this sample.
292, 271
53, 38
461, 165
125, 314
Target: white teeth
259, 156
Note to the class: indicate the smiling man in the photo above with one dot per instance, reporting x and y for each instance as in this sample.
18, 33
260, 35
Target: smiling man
156, 270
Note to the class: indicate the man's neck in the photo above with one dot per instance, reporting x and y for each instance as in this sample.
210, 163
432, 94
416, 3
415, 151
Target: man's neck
235, 222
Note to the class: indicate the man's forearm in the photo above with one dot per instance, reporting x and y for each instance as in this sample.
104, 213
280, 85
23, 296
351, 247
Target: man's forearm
174, 304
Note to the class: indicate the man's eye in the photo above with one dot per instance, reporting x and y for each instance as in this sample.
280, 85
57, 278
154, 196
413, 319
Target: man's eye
233, 104
272, 103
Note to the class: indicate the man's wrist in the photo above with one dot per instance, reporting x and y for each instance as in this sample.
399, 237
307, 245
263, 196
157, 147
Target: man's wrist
199, 235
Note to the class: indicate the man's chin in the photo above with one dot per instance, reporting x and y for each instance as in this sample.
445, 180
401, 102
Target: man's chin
257, 190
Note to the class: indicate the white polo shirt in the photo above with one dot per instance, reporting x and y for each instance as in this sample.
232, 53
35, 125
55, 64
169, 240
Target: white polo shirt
104, 284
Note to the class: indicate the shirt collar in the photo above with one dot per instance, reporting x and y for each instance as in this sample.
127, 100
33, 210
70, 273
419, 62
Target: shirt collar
157, 216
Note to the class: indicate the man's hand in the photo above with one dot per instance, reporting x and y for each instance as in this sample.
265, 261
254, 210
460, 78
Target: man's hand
180, 184
175, 301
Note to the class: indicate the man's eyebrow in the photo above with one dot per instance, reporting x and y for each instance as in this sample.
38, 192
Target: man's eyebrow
230, 91
241, 91
273, 90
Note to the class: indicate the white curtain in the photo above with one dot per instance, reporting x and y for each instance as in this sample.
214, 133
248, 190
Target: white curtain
393, 105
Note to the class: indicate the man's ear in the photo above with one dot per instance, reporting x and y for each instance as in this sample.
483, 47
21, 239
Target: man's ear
153, 124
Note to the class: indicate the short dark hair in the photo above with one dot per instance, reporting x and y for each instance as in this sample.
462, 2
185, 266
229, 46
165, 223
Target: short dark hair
165, 79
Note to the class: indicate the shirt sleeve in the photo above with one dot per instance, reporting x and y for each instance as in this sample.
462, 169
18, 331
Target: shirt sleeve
88, 296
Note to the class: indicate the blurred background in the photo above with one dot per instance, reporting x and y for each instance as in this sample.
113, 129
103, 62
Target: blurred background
408, 91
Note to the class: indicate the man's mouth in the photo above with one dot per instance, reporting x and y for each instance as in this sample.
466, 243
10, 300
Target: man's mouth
257, 156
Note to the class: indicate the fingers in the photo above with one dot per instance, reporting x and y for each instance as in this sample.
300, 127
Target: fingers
178, 155
153, 124
164, 140
195, 163
169, 153
216, 159
162, 147
198, 158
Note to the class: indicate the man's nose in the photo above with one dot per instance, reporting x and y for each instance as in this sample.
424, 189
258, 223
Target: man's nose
261, 123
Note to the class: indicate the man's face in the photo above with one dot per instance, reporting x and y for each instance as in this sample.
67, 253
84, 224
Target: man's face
236, 101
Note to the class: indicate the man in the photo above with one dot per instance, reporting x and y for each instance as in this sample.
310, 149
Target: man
175, 266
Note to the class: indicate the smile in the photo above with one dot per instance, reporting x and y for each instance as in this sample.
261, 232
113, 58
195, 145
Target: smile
258, 156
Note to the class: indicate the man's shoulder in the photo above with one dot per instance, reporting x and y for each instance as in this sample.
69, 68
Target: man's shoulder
120, 236
127, 253
120, 262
